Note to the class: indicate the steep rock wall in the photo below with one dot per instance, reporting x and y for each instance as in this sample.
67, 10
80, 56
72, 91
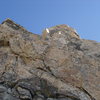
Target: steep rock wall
57, 65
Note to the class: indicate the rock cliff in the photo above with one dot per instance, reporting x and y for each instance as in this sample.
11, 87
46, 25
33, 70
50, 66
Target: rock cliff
57, 65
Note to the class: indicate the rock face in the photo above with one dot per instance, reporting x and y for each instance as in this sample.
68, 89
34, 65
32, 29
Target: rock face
56, 65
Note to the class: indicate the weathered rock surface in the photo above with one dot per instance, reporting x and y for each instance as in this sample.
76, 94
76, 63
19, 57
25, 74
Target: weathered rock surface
56, 65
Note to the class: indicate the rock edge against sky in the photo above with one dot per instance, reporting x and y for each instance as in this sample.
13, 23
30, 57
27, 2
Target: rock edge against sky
56, 65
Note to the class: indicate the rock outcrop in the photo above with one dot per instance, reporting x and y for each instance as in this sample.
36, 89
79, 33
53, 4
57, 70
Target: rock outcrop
57, 65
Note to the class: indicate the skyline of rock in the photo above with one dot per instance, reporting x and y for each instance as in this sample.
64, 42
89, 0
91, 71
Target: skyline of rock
56, 65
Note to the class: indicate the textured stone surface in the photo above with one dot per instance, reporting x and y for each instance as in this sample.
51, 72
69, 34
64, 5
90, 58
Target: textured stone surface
56, 65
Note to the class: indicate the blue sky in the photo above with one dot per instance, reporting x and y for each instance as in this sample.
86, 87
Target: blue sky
35, 15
